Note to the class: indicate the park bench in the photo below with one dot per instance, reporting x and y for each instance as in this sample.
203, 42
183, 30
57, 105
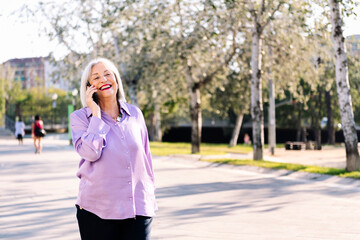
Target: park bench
309, 145
294, 145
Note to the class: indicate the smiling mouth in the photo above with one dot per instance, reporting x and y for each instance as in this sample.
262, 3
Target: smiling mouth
105, 87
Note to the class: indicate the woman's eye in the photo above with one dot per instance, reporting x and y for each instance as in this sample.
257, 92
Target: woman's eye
96, 78
108, 74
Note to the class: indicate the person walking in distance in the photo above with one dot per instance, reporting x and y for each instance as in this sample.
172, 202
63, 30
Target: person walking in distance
37, 129
116, 198
20, 130
247, 140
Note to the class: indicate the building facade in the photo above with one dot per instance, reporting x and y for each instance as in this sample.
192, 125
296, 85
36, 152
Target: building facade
35, 72
30, 72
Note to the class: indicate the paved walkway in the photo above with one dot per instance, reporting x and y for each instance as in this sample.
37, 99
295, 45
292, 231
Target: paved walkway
328, 157
197, 200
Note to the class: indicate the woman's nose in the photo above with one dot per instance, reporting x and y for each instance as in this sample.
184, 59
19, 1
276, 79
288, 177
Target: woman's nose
103, 78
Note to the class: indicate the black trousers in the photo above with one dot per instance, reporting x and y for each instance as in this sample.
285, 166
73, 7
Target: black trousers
93, 227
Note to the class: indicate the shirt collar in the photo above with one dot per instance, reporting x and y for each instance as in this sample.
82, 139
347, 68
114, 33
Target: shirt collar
123, 106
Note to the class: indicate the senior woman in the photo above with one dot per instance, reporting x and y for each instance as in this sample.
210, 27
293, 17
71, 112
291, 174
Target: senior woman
116, 198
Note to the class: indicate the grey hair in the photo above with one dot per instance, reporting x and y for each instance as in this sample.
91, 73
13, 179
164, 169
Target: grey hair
120, 95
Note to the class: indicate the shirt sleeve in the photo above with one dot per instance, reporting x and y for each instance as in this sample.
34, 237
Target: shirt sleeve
89, 138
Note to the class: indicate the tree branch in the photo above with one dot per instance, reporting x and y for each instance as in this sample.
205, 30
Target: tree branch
271, 15
262, 8
252, 10
59, 31
209, 77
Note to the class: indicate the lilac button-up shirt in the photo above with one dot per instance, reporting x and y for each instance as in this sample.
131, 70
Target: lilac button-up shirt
116, 173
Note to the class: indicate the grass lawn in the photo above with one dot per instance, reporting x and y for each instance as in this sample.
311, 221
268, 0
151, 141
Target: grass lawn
290, 166
167, 148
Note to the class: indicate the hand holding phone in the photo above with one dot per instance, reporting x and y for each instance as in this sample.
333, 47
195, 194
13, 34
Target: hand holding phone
94, 96
94, 104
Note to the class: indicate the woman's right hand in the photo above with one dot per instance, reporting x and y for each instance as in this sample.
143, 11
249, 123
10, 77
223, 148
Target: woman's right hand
95, 109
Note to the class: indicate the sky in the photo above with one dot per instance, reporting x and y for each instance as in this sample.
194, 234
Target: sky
21, 38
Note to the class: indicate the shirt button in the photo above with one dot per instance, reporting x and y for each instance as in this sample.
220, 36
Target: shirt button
129, 182
130, 198
128, 167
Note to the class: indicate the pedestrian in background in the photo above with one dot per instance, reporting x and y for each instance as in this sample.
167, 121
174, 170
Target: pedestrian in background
247, 140
37, 132
116, 198
19, 130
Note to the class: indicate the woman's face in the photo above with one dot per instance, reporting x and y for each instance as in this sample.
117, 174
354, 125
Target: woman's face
104, 80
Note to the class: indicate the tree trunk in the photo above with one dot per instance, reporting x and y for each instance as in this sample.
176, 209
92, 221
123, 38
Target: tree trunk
299, 127
195, 109
236, 130
257, 114
272, 119
272, 111
343, 90
304, 134
330, 121
151, 127
318, 106
157, 129
317, 136
154, 128
196, 119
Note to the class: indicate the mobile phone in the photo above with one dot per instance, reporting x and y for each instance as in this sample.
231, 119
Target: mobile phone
94, 96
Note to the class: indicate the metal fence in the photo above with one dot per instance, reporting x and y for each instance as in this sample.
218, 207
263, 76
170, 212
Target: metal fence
9, 124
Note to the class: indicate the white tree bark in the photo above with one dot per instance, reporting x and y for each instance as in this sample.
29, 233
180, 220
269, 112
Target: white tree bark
343, 89
236, 131
257, 114
272, 111
261, 17
272, 119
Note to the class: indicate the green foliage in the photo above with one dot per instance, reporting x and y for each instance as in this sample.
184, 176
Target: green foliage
2, 99
36, 102
232, 97
154, 41
31, 102
354, 79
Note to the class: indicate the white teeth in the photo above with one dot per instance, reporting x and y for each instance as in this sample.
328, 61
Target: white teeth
106, 87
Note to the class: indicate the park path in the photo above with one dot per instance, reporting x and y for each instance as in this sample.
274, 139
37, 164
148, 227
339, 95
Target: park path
197, 200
